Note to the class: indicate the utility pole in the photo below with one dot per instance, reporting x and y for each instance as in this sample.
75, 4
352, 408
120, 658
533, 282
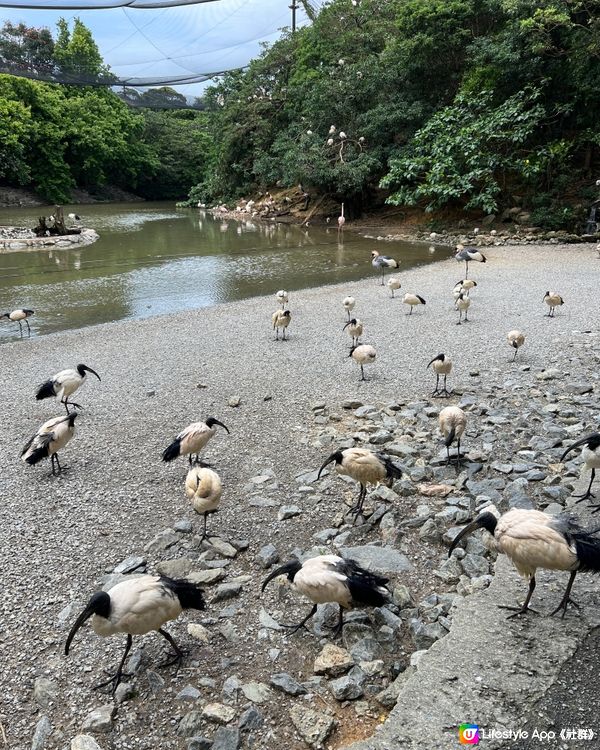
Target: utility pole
293, 7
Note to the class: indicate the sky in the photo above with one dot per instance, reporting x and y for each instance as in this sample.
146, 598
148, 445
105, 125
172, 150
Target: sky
204, 38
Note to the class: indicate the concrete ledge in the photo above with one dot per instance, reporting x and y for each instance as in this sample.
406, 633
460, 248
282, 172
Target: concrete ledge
489, 670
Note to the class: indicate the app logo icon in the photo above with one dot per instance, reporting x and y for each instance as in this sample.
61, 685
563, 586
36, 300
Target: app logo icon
468, 734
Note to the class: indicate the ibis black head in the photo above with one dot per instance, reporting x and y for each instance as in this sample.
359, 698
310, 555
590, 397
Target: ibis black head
592, 441
351, 322
28, 312
440, 357
338, 457
211, 421
546, 295
289, 569
286, 314
82, 369
5, 315
484, 521
352, 350
99, 604
71, 417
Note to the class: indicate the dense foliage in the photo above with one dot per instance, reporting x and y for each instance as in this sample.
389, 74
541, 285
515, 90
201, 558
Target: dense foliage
458, 102
54, 138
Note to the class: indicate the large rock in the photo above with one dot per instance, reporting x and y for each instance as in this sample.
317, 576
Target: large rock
287, 684
84, 742
226, 739
333, 661
313, 726
43, 730
100, 719
378, 559
218, 713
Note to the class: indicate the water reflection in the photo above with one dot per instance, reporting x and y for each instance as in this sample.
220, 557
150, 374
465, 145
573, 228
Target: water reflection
153, 259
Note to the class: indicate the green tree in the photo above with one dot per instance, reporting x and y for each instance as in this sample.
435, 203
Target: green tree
76, 53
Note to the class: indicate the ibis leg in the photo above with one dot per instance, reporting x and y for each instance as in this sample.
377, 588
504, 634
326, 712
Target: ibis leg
525, 608
20, 328
302, 623
362, 373
356, 509
204, 534
445, 392
437, 380
119, 674
28, 328
567, 597
516, 350
340, 626
178, 656
588, 492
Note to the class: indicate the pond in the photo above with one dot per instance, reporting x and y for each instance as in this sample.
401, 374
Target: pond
154, 258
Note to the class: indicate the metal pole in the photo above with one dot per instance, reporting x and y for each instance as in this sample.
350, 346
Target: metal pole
293, 8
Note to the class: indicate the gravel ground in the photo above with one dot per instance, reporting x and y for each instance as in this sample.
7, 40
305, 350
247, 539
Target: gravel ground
59, 537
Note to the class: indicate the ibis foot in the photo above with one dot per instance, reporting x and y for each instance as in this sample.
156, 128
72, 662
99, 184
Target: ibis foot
565, 601
516, 611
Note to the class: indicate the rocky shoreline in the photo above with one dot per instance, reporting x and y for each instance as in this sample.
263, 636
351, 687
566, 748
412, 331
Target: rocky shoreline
119, 511
21, 238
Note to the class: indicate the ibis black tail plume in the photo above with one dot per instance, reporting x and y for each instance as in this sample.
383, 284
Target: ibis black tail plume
173, 451
366, 588
188, 593
45, 390
37, 455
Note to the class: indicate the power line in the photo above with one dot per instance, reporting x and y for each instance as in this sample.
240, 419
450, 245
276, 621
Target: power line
101, 4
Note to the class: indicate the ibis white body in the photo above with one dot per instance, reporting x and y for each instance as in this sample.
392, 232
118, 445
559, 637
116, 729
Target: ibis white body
51, 437
516, 339
349, 303
283, 297
442, 366
204, 489
355, 329
281, 320
363, 354
16, 316
193, 439
341, 219
452, 422
465, 286
413, 300
590, 453
462, 304
553, 300
393, 284
362, 465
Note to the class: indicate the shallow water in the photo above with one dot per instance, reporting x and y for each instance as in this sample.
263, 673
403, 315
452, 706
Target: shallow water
153, 258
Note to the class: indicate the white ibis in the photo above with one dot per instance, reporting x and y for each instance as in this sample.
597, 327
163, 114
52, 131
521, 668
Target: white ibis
464, 285
442, 365
64, 384
413, 300
393, 284
283, 298
516, 339
553, 300
341, 219
138, 606
355, 329
469, 255
281, 319
349, 303
452, 422
51, 437
365, 467
329, 578
591, 457
531, 540
462, 304
363, 354
74, 217
204, 489
381, 262
17, 316
192, 440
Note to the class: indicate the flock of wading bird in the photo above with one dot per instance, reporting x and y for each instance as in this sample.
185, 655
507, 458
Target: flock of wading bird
145, 603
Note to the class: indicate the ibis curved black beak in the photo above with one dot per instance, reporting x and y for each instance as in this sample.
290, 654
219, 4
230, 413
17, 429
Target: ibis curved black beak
349, 323
484, 521
89, 369
575, 445
327, 462
83, 617
216, 421
282, 570
439, 356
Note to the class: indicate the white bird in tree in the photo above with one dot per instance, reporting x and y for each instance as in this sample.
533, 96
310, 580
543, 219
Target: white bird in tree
329, 578
469, 255
381, 262
17, 316
452, 422
365, 467
393, 284
413, 300
192, 440
531, 540
341, 220
51, 437
516, 339
355, 329
553, 300
137, 606
442, 365
64, 384
281, 319
363, 354
204, 489
349, 303
591, 457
